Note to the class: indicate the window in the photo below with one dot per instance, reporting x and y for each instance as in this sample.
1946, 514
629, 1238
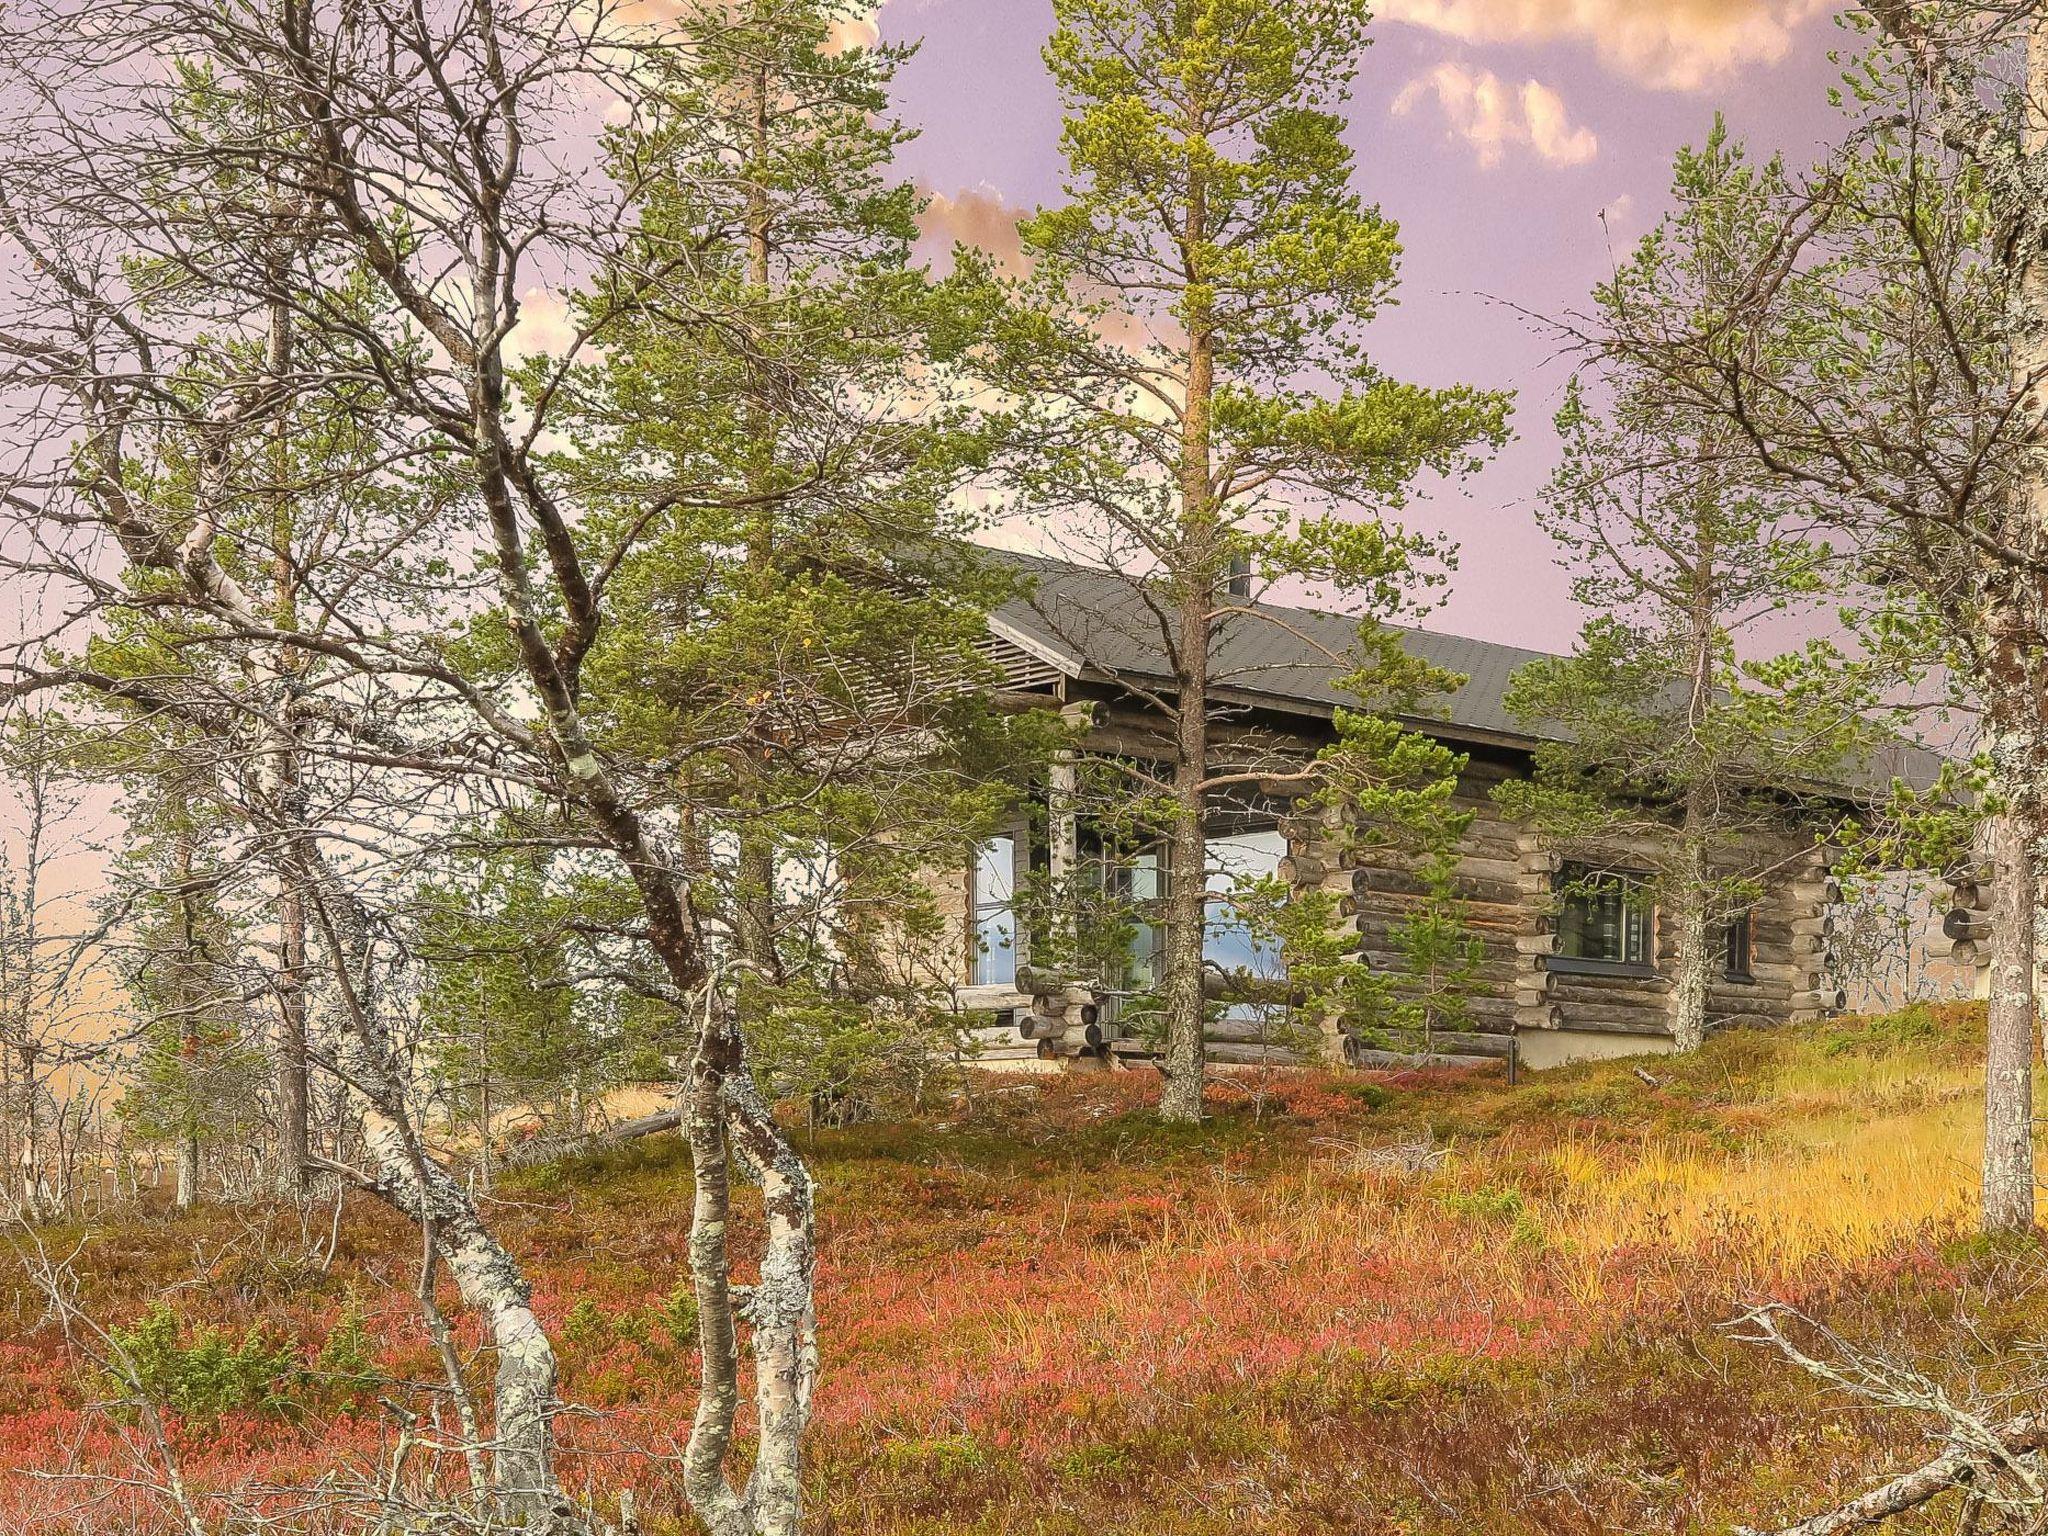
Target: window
993, 915
1227, 938
1605, 917
1737, 963
1136, 886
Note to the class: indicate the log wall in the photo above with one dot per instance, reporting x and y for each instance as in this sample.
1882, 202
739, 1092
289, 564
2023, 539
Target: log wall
1506, 876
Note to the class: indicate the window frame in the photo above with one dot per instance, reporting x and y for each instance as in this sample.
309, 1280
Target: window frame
1635, 895
1134, 875
978, 953
1744, 973
1221, 924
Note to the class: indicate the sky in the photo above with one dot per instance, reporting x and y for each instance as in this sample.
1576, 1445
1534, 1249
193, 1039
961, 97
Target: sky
1518, 144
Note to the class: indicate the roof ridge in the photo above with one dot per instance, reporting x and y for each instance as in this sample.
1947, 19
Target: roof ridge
1322, 613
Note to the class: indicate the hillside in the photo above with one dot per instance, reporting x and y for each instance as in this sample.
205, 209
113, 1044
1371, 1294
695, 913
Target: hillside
1429, 1305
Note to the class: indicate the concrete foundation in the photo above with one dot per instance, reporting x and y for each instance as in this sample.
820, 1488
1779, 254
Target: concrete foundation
1544, 1048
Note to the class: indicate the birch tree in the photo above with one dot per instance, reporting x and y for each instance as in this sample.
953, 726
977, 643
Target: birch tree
1881, 357
1974, 79
1203, 416
53, 1017
455, 609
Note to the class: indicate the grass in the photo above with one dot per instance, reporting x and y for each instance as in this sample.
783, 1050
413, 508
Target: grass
1424, 1305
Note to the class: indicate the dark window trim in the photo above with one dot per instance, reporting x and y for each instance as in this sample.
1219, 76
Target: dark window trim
1579, 965
1632, 881
1746, 976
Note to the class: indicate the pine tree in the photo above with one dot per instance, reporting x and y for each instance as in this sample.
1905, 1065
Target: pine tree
1669, 752
1196, 407
200, 1049
800, 623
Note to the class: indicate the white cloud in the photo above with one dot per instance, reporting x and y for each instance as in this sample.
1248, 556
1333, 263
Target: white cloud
1618, 218
861, 29
974, 216
544, 325
1673, 44
980, 217
1492, 116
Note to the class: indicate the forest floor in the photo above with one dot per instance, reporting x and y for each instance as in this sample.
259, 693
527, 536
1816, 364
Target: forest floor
1423, 1305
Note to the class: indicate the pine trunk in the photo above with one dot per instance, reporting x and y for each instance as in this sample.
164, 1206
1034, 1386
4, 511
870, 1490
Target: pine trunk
1186, 915
1695, 968
754, 899
293, 1171
1188, 874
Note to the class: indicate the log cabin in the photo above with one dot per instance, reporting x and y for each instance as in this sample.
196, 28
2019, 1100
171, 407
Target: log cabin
1568, 970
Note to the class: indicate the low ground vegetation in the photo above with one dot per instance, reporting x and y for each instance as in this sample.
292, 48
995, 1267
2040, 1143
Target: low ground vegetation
1414, 1303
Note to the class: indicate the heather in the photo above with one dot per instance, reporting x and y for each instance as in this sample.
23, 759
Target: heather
1407, 1302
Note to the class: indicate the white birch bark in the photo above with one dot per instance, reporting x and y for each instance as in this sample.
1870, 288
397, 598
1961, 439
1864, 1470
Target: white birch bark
486, 1276
2010, 597
2008, 1171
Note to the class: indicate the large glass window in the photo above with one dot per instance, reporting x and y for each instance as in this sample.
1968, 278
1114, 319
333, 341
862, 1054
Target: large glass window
1236, 860
1135, 885
994, 915
1605, 916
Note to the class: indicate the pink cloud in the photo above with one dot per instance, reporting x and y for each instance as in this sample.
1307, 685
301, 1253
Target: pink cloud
1493, 116
1671, 44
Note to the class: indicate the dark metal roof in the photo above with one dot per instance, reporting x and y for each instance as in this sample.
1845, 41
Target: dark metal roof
1097, 624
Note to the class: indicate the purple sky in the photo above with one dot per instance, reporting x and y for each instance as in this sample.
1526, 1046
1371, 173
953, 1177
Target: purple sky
1495, 132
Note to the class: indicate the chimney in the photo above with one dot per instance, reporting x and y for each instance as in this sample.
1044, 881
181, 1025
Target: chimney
1239, 582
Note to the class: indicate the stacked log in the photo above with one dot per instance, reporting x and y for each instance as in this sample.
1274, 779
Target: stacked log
1537, 865
1967, 922
1066, 1018
1811, 954
1321, 857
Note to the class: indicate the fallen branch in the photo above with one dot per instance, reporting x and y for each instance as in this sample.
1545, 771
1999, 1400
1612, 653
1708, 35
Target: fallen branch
1989, 1458
547, 1149
1953, 1468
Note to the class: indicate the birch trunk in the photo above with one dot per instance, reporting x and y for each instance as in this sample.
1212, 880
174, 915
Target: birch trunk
294, 1140
726, 1119
30, 1119
187, 1195
487, 1277
1703, 634
186, 998
2012, 614
2008, 1175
